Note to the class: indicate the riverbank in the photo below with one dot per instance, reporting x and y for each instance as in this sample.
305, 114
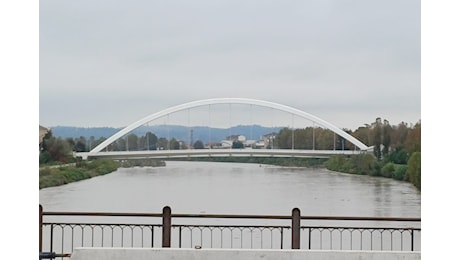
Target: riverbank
55, 175
367, 164
287, 161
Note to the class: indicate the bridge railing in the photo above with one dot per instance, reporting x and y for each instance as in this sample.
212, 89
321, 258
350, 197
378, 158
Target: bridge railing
62, 232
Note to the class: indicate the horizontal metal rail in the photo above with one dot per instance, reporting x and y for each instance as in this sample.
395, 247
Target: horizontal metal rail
63, 231
165, 154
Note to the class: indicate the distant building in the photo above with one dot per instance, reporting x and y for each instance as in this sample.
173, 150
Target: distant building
229, 140
266, 142
226, 144
234, 138
42, 131
269, 140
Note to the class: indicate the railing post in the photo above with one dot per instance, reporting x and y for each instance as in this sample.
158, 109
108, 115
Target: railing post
166, 241
153, 236
295, 240
40, 227
412, 240
282, 237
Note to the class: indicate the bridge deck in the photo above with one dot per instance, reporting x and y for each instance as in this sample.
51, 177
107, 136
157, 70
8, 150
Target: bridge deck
164, 154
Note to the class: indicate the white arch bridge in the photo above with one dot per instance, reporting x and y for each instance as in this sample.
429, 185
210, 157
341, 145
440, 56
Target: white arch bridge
98, 152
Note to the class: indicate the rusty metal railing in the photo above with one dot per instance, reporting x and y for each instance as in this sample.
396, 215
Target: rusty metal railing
63, 231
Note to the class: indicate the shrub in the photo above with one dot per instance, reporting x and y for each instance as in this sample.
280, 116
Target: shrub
363, 163
400, 172
388, 170
400, 156
414, 169
335, 162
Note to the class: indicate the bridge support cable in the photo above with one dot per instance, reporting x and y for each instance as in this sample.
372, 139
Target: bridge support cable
292, 125
189, 129
147, 137
169, 136
313, 136
271, 139
334, 141
209, 126
230, 122
252, 123
229, 101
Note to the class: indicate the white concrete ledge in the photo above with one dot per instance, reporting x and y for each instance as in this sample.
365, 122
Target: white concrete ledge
235, 254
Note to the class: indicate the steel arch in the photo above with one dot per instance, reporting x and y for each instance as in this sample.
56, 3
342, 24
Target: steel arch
214, 101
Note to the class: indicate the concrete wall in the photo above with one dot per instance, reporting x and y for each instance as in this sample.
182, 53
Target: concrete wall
234, 254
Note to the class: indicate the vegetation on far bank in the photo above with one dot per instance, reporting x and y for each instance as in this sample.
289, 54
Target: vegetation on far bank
367, 164
285, 161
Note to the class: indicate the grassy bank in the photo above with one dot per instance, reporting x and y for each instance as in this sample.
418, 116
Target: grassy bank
55, 176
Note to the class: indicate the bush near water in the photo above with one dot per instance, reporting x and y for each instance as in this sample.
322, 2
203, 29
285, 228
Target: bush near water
367, 164
55, 176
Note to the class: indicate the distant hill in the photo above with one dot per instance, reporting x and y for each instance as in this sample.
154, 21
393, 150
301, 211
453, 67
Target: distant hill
183, 133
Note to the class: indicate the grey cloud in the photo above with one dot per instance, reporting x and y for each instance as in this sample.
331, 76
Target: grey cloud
321, 55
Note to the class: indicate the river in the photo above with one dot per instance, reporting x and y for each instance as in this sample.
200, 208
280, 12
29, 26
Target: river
236, 188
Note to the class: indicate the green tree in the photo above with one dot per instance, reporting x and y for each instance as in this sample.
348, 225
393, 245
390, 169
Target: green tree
163, 143
400, 172
340, 145
80, 144
132, 142
399, 135
414, 169
363, 163
386, 137
388, 170
174, 144
56, 149
152, 141
324, 139
363, 133
119, 145
237, 145
198, 145
43, 144
413, 141
377, 138
302, 139
399, 156
91, 143
284, 139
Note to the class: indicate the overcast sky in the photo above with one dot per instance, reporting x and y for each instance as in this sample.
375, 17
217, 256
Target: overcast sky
111, 63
